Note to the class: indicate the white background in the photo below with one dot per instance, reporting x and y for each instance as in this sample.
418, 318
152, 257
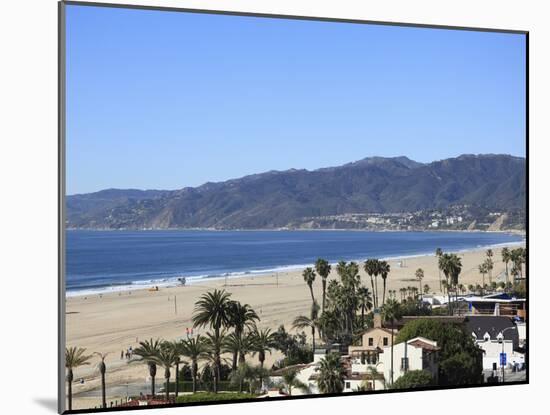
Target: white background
28, 204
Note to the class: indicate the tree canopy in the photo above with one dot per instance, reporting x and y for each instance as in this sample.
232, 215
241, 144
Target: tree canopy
460, 360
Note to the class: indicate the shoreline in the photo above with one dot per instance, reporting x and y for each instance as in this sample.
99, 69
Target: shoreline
173, 282
113, 322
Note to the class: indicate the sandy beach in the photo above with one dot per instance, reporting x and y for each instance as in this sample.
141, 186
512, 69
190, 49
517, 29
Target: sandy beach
115, 321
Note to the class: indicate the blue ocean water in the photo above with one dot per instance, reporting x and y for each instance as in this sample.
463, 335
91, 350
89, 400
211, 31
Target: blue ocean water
111, 260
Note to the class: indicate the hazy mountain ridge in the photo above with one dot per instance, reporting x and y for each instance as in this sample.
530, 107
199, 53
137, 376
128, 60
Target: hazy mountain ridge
277, 198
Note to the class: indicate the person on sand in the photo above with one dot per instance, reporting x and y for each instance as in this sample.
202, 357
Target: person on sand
121, 354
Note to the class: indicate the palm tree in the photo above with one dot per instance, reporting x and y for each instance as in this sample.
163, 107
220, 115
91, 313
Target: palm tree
241, 317
323, 269
238, 345
506, 258
238, 376
331, 374
309, 278
263, 341
102, 369
365, 302
374, 374
384, 269
290, 380
371, 268
483, 270
213, 309
419, 274
391, 311
426, 288
489, 266
471, 287
178, 350
166, 357
146, 351
311, 322
194, 349
74, 357
215, 346
438, 253
451, 266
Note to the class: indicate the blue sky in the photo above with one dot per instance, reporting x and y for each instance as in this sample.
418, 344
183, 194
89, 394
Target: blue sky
164, 100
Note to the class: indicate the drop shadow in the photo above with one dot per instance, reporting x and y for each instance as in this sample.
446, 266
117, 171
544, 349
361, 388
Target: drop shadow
48, 403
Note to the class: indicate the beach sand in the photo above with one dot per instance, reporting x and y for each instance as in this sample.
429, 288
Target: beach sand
115, 321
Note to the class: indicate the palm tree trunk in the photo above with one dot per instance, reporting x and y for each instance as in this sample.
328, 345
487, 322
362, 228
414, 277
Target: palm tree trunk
70, 389
194, 375
177, 379
103, 399
313, 336
324, 293
153, 386
373, 292
311, 291
384, 292
376, 293
167, 392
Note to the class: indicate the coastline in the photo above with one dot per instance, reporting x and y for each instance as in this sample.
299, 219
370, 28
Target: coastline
112, 322
172, 281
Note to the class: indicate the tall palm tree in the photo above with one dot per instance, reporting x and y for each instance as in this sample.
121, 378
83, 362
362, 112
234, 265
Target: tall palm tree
371, 268
263, 342
391, 311
215, 346
323, 269
291, 381
489, 265
419, 274
102, 369
384, 269
213, 310
451, 266
241, 317
147, 350
166, 357
438, 253
178, 350
365, 302
506, 258
74, 357
195, 349
311, 322
331, 374
309, 278
482, 270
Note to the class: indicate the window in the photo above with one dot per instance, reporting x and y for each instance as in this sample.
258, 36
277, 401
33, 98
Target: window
404, 363
348, 385
385, 341
371, 341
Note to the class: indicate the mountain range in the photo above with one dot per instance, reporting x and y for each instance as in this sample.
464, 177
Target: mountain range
276, 199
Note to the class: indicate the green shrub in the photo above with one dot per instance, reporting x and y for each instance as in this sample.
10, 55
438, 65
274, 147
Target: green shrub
210, 397
187, 386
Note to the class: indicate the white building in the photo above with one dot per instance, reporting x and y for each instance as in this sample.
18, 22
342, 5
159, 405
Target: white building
415, 354
495, 335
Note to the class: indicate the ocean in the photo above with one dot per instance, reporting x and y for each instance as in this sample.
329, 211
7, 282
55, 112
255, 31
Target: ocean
98, 261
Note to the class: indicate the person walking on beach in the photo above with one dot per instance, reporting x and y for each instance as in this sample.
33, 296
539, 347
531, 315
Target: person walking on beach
121, 354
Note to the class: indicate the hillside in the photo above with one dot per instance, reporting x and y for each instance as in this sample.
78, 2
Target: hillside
278, 198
